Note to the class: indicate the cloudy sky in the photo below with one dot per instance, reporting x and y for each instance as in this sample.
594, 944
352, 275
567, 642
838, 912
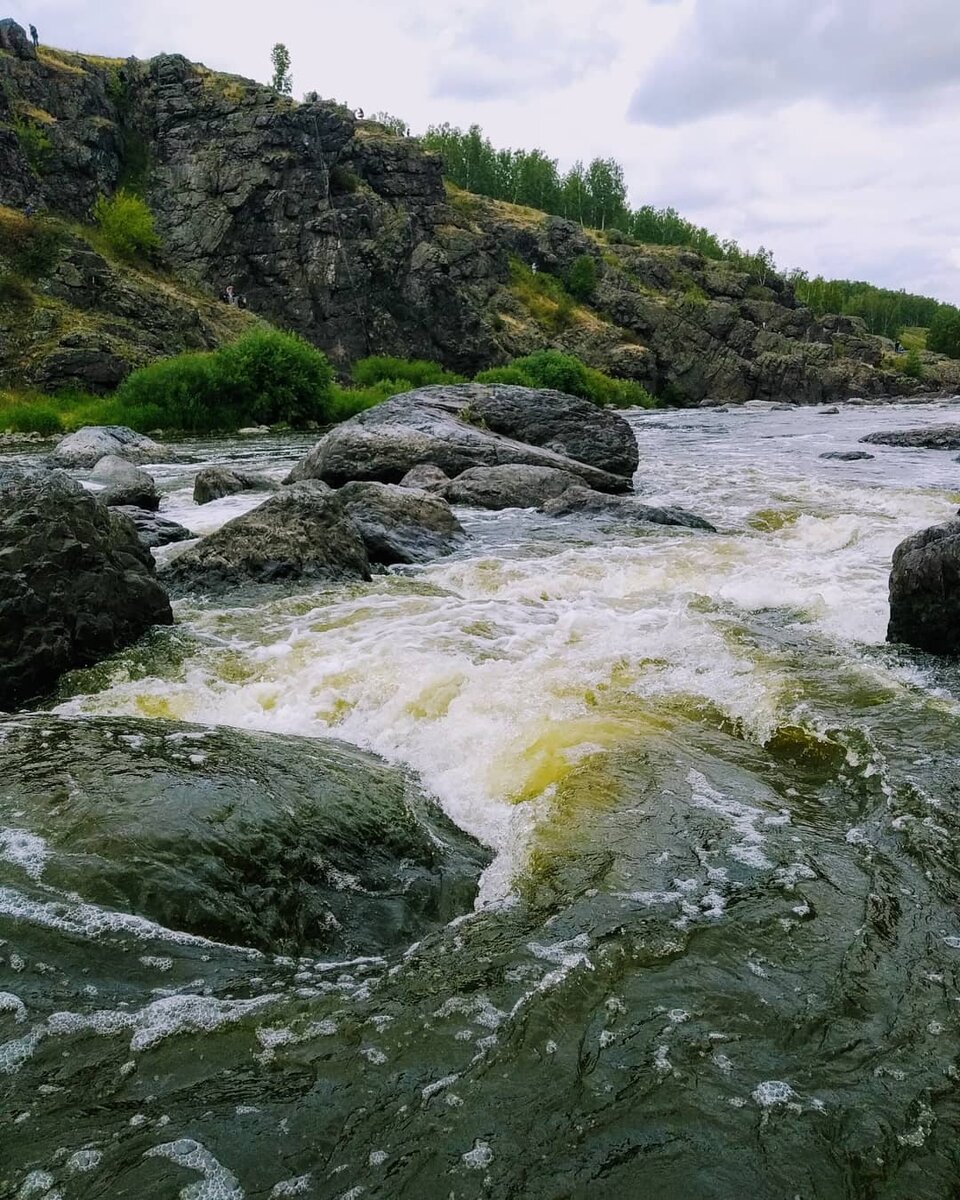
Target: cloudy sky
823, 129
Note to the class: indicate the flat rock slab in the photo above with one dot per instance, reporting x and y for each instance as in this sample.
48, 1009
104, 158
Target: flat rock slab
88, 445
401, 524
932, 437
459, 427
580, 500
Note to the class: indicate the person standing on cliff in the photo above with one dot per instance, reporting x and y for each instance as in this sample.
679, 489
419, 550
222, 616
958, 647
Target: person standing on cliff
34, 36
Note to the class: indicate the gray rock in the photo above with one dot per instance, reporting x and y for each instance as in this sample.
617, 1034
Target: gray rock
514, 486
290, 845
88, 445
830, 412
847, 455
459, 427
212, 483
581, 500
13, 39
154, 530
425, 478
400, 524
931, 437
75, 582
126, 484
925, 590
303, 532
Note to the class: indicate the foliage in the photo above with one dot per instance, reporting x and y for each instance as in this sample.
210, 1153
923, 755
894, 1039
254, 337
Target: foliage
582, 277
282, 80
30, 245
541, 294
396, 125
944, 333
14, 293
343, 181
412, 373
911, 365
885, 312
513, 376
566, 373
34, 142
29, 417
266, 377
347, 402
126, 223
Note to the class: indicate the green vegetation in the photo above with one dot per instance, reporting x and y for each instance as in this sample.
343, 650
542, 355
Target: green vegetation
264, 378
282, 80
912, 366
415, 372
885, 312
126, 224
944, 333
29, 245
543, 296
34, 141
395, 125
582, 277
566, 373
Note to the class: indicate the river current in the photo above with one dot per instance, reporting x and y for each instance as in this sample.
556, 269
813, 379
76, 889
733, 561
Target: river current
716, 952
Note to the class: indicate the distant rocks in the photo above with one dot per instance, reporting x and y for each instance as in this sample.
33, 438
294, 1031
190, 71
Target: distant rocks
456, 428
925, 590
76, 583
88, 445
301, 533
931, 437
847, 455
401, 524
213, 483
513, 486
833, 411
125, 483
154, 530
581, 500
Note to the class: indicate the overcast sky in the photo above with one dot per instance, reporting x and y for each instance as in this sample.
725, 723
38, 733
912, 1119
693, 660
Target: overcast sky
823, 129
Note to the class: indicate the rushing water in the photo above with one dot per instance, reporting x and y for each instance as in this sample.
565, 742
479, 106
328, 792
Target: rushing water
717, 950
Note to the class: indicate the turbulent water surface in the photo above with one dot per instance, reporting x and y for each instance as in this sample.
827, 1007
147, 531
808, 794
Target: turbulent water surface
716, 946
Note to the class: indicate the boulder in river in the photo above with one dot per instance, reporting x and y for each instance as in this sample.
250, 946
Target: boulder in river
88, 445
925, 590
126, 484
471, 425
400, 524
425, 478
287, 845
76, 583
847, 455
152, 529
212, 483
930, 437
583, 500
303, 532
513, 486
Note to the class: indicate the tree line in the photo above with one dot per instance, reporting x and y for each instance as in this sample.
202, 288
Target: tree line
886, 312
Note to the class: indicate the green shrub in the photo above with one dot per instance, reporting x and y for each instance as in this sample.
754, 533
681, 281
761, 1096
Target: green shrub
566, 373
944, 333
266, 377
34, 142
30, 417
30, 245
582, 277
563, 316
509, 375
413, 372
126, 224
14, 293
347, 402
911, 365
343, 181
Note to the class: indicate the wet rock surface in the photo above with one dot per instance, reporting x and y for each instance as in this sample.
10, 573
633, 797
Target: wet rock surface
847, 455
514, 486
931, 437
152, 529
925, 590
125, 484
581, 500
401, 524
213, 483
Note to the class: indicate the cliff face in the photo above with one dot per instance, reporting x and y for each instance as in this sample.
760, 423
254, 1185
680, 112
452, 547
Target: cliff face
335, 228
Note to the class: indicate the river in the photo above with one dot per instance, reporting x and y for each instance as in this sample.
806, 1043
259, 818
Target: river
716, 950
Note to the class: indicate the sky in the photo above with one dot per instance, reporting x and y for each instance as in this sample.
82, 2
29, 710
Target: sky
824, 130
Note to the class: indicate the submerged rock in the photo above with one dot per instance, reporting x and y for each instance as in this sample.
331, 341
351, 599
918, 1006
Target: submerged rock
932, 437
847, 455
75, 582
126, 484
212, 483
515, 486
925, 590
152, 529
303, 532
626, 508
401, 524
288, 845
88, 445
833, 411
456, 428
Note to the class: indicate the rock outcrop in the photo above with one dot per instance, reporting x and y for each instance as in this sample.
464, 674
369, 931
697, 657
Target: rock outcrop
89, 445
458, 427
925, 590
75, 582
213, 483
125, 484
399, 524
930, 437
302, 532
515, 486
584, 501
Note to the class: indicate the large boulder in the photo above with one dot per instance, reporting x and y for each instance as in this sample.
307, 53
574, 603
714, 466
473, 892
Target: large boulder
125, 484
399, 524
75, 582
455, 428
152, 529
925, 590
425, 478
303, 532
930, 437
213, 483
88, 445
514, 486
581, 500
288, 845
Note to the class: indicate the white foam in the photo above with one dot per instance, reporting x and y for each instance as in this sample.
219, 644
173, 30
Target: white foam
217, 1184
25, 850
298, 1186
479, 1158
773, 1092
83, 1161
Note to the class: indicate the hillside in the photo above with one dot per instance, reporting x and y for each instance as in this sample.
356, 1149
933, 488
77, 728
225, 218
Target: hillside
346, 233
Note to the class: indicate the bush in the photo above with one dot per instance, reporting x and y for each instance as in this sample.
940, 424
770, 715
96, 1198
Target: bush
34, 142
911, 366
413, 372
30, 417
582, 277
14, 293
266, 377
30, 245
347, 402
944, 334
512, 375
126, 224
566, 373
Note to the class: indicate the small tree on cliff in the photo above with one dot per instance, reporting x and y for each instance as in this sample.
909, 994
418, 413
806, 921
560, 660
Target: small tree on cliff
282, 79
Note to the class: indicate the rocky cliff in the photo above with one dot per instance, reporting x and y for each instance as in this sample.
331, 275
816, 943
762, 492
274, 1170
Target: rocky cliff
336, 228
